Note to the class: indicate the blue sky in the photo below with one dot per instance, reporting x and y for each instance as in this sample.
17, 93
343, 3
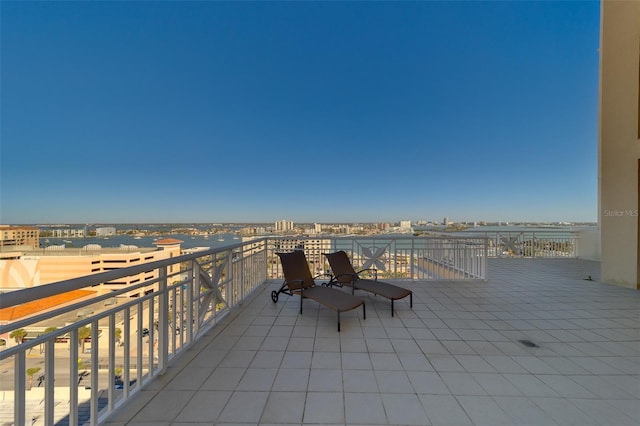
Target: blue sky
310, 111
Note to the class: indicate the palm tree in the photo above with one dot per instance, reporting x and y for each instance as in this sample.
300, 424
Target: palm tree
30, 373
18, 335
49, 330
118, 334
83, 334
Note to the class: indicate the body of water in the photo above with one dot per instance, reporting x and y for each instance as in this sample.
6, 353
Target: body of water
188, 241
220, 240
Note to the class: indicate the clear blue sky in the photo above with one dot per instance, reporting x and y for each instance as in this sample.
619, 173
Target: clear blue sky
307, 111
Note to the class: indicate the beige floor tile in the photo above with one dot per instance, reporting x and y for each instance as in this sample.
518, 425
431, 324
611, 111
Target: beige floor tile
324, 408
244, 407
205, 406
284, 408
364, 409
453, 359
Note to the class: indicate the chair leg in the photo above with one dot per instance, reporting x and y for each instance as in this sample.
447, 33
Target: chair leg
391, 307
364, 311
411, 300
338, 321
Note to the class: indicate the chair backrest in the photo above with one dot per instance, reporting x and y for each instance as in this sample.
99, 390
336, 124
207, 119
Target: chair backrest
295, 267
341, 267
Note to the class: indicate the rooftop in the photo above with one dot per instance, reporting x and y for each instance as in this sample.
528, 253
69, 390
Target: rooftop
541, 343
168, 241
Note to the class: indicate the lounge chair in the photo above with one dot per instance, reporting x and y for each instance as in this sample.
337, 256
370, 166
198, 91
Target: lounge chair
298, 281
344, 274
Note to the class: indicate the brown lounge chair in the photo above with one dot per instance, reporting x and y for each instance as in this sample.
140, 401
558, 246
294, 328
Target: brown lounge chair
298, 280
344, 274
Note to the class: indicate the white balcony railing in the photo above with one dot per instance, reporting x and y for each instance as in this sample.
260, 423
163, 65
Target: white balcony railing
534, 244
91, 356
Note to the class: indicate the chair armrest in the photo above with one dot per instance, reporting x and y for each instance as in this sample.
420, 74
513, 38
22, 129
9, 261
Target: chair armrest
354, 276
326, 275
375, 272
336, 279
323, 275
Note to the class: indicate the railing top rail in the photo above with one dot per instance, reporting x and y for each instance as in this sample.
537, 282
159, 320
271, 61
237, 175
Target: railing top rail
42, 338
18, 297
519, 231
439, 236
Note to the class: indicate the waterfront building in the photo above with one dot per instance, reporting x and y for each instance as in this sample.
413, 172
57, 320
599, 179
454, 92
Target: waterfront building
314, 250
19, 236
282, 226
105, 231
68, 233
252, 230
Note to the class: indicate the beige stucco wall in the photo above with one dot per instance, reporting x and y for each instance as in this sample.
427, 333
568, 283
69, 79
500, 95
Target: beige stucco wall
34, 270
588, 244
619, 149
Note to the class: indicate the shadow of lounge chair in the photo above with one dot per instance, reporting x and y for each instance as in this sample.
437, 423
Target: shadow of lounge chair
344, 274
298, 281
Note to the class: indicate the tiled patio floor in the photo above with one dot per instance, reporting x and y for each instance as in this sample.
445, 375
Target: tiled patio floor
454, 359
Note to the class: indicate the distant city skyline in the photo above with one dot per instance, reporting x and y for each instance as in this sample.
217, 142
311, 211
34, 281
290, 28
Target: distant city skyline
396, 223
329, 112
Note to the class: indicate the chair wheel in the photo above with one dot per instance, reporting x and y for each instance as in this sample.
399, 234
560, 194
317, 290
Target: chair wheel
274, 296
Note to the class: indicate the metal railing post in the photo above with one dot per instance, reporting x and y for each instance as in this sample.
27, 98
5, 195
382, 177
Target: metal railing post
163, 322
485, 273
140, 354
112, 361
20, 384
126, 368
95, 391
49, 374
74, 360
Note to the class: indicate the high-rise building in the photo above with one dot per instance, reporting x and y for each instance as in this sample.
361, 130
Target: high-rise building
405, 225
283, 226
105, 231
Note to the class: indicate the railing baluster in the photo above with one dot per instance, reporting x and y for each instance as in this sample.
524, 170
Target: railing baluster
140, 348
49, 374
95, 391
152, 343
74, 360
20, 385
163, 323
112, 361
173, 308
126, 368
